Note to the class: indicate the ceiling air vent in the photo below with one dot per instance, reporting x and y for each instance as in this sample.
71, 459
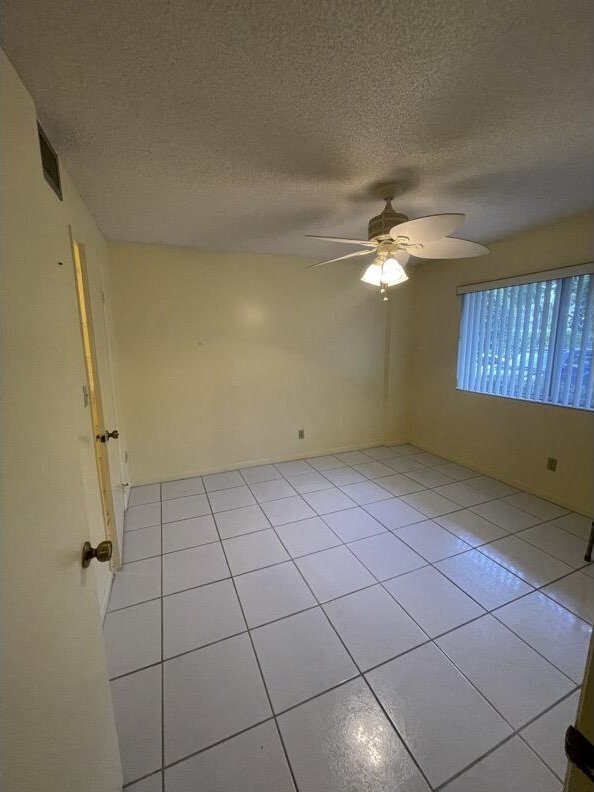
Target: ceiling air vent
49, 162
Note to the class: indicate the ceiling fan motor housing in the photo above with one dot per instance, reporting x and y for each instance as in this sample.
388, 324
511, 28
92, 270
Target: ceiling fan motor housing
380, 225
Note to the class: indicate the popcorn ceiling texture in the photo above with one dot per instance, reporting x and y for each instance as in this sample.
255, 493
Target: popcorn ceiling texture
245, 124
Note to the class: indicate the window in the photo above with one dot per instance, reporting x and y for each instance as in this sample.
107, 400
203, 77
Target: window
530, 340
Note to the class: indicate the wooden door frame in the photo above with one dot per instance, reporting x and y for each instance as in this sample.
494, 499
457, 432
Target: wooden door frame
85, 315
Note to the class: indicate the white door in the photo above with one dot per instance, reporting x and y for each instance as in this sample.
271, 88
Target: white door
58, 732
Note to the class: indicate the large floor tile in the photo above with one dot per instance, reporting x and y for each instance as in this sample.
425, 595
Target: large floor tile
182, 488
272, 490
373, 470
566, 547
470, 527
142, 543
544, 510
435, 603
219, 481
386, 556
133, 637
405, 449
210, 694
344, 475
462, 494
333, 573
328, 500
353, 457
241, 521
254, 551
380, 452
457, 472
577, 524
343, 741
545, 734
251, 762
513, 677
512, 767
148, 493
431, 540
200, 616
446, 723
273, 593
183, 508
490, 584
142, 516
576, 593
491, 486
399, 484
296, 468
301, 656
323, 463
136, 583
430, 503
192, 532
525, 560
352, 524
310, 482
287, 510
555, 632
366, 492
373, 626
196, 566
428, 477
307, 536
153, 783
394, 513
259, 473
137, 709
232, 498
403, 464
430, 460
505, 516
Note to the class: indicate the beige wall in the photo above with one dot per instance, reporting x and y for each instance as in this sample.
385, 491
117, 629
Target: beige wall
43, 232
398, 361
505, 438
58, 729
225, 356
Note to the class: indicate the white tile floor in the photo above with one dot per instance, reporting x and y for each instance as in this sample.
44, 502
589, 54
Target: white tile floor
382, 619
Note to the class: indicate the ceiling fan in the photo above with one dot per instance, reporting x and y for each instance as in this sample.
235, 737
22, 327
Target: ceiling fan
393, 239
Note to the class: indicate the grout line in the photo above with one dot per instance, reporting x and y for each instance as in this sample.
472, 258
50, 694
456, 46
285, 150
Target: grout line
257, 659
329, 621
214, 745
517, 732
162, 653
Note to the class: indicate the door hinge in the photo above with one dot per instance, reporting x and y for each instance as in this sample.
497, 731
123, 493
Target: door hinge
580, 751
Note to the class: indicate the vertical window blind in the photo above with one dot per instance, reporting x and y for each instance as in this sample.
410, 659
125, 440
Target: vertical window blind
530, 341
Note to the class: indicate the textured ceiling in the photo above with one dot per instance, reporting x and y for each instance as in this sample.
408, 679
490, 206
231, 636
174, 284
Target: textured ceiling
244, 124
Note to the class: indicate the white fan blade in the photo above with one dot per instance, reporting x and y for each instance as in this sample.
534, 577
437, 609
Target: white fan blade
366, 242
340, 258
450, 248
426, 229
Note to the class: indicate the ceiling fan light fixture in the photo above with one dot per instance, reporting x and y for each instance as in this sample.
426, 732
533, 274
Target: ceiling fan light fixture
372, 275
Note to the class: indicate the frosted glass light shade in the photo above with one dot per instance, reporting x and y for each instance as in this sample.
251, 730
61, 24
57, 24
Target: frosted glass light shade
372, 274
393, 272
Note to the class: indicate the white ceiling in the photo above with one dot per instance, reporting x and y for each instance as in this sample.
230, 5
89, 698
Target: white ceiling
244, 124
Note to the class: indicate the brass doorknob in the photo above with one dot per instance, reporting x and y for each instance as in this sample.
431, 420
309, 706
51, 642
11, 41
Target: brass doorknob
102, 552
107, 435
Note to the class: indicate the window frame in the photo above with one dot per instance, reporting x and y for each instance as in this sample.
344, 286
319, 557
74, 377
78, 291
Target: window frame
556, 274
